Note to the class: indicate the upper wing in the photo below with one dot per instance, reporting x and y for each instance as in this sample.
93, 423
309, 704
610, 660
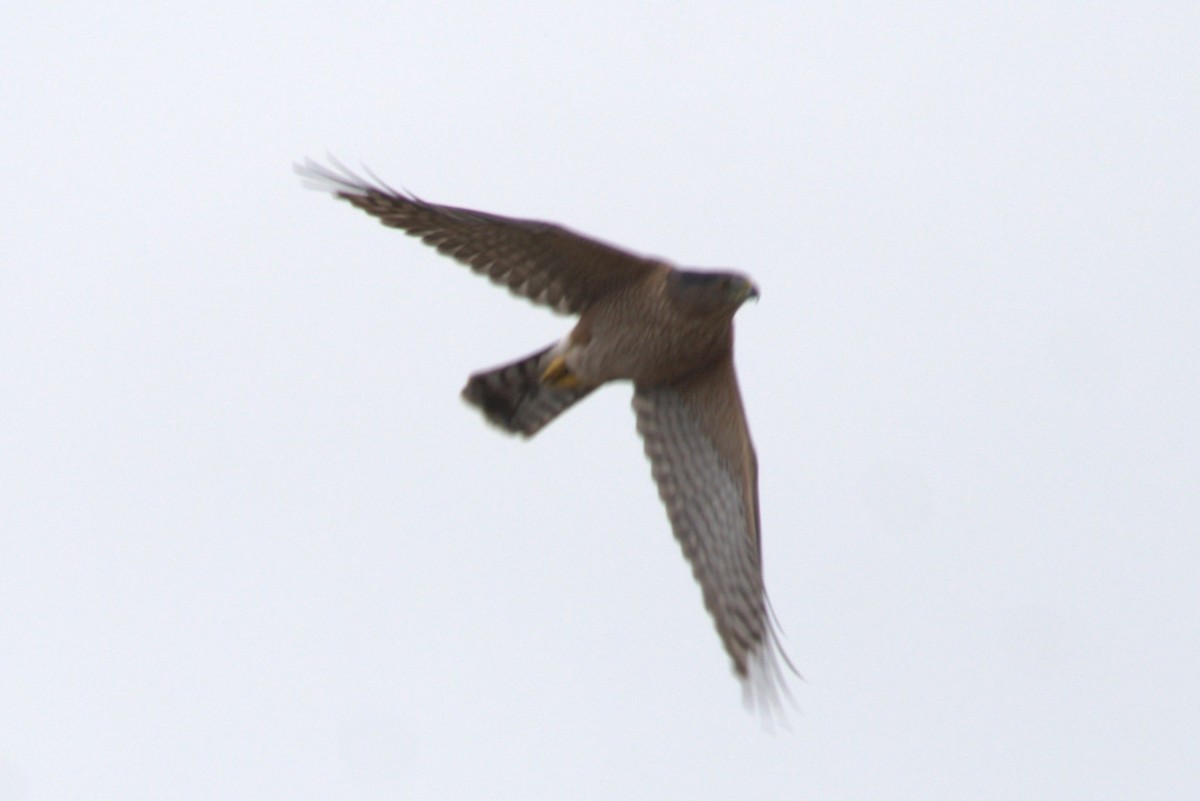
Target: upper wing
541, 261
704, 464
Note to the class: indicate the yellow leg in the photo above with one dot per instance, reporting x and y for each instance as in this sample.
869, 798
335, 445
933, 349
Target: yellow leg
557, 375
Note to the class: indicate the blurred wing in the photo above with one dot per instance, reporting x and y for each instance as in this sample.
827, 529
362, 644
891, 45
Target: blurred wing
543, 262
704, 464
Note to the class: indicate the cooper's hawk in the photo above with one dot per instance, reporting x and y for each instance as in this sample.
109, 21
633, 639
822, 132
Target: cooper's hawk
667, 330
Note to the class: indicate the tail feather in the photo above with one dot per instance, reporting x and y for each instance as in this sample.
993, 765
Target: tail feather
514, 398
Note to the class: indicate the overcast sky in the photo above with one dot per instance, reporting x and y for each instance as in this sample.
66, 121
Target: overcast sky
253, 546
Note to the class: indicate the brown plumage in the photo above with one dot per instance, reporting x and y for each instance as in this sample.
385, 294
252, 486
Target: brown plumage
670, 332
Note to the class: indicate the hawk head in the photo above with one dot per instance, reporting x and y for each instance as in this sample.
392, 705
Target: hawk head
706, 293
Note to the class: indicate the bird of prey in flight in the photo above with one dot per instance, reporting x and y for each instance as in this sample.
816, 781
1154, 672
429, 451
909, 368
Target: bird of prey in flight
667, 330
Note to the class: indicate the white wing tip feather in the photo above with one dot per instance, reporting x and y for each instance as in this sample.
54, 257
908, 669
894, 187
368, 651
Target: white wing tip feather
341, 181
338, 180
765, 688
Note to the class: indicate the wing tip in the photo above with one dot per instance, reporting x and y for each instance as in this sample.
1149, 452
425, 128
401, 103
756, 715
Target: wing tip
341, 181
765, 689
764, 679
338, 180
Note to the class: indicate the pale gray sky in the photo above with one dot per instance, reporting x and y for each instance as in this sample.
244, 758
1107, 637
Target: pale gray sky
252, 546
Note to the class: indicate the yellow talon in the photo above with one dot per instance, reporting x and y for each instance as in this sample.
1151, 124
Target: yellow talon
557, 375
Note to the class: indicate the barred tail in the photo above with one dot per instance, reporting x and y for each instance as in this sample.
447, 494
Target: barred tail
514, 398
